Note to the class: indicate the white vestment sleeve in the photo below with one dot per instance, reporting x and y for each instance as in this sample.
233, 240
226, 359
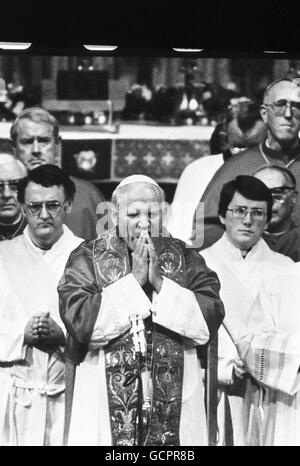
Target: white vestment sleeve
119, 300
273, 359
177, 309
11, 341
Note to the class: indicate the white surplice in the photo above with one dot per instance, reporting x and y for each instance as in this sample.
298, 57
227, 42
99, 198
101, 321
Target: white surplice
175, 308
190, 188
240, 280
31, 381
271, 352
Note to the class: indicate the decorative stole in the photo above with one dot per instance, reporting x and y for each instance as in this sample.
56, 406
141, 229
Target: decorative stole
111, 262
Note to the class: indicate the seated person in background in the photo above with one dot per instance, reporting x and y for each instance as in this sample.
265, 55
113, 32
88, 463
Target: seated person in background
270, 350
282, 235
12, 221
32, 380
127, 393
245, 130
280, 112
35, 137
240, 258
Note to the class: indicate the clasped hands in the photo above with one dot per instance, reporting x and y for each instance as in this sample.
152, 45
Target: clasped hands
145, 262
43, 332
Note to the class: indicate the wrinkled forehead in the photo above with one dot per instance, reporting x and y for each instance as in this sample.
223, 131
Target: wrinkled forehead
283, 90
27, 127
37, 193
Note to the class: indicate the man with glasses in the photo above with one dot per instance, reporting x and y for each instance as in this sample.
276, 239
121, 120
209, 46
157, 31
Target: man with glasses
280, 111
242, 127
240, 258
35, 137
31, 333
282, 234
12, 221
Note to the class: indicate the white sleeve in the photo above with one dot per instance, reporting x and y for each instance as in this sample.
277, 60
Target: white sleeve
119, 300
177, 309
273, 359
11, 341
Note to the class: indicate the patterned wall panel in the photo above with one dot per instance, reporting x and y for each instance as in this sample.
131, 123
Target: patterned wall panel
160, 159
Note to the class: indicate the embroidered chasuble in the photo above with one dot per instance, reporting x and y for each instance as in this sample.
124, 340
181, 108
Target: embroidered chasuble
112, 263
98, 276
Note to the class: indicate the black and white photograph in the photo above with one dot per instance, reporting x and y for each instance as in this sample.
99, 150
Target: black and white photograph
149, 241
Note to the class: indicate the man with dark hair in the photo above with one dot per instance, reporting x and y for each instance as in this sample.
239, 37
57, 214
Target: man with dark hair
12, 221
245, 129
240, 258
35, 137
282, 234
280, 112
31, 333
136, 304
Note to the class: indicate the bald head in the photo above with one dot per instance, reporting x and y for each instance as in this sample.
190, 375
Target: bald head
11, 170
281, 115
282, 184
282, 85
10, 167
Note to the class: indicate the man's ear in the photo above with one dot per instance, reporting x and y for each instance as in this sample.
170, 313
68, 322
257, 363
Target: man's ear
22, 206
294, 197
263, 113
68, 206
222, 219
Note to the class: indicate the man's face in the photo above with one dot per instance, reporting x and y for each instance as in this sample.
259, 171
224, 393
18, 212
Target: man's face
45, 224
283, 200
35, 144
140, 212
245, 232
284, 128
10, 171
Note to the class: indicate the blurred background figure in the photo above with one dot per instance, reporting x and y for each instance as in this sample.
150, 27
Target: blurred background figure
242, 127
12, 221
282, 234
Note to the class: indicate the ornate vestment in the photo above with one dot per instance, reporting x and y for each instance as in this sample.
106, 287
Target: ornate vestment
104, 343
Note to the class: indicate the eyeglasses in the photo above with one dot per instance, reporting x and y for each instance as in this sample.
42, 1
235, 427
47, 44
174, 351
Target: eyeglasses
279, 107
280, 193
53, 207
11, 184
240, 212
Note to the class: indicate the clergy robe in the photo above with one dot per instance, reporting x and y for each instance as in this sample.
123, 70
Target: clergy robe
271, 352
240, 278
82, 220
95, 318
31, 381
191, 185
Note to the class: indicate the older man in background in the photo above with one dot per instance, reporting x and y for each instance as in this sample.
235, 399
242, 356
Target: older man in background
280, 111
282, 234
12, 221
136, 303
32, 338
35, 136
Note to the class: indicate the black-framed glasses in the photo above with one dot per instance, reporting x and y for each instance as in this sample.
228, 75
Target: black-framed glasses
279, 107
53, 207
13, 185
280, 193
240, 212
